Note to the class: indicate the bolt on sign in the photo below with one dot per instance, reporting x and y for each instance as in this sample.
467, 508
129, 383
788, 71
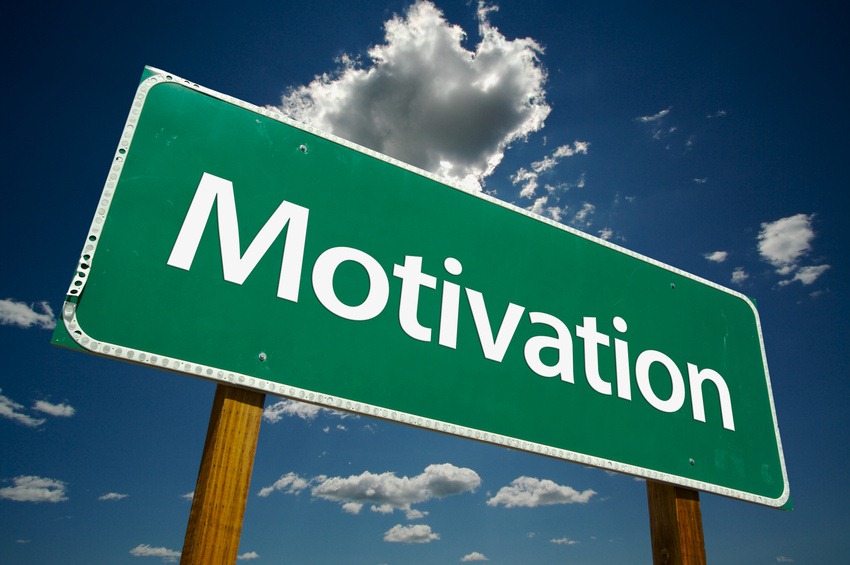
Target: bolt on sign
233, 244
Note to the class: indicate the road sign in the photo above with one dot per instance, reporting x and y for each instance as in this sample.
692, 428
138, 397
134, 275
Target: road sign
233, 244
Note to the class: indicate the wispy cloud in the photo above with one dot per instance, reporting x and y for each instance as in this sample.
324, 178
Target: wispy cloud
58, 410
785, 243
384, 492
145, 550
17, 412
530, 492
528, 180
15, 313
427, 100
654, 117
248, 556
563, 541
289, 483
13, 411
275, 413
717, 114
418, 533
113, 496
29, 488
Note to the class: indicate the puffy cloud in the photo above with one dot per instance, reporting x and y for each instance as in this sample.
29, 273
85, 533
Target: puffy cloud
384, 492
14, 313
530, 492
785, 242
419, 533
716, 256
739, 275
387, 491
425, 99
59, 410
13, 411
782, 243
28, 488
248, 556
145, 550
474, 556
112, 496
606, 234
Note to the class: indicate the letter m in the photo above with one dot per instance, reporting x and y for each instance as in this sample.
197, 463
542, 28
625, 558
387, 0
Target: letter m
236, 266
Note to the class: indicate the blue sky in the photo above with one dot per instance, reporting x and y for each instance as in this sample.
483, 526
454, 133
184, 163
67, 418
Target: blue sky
709, 138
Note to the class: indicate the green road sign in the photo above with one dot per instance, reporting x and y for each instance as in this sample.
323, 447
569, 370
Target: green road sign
235, 245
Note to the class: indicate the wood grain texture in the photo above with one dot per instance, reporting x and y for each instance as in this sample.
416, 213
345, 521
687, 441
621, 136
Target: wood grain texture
675, 524
215, 520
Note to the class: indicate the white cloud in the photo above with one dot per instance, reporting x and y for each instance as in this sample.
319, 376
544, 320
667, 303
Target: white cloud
59, 410
289, 483
783, 559
14, 313
739, 275
701, 180
248, 556
13, 411
388, 492
806, 275
144, 550
188, 496
425, 99
782, 243
529, 179
785, 242
582, 217
385, 492
716, 256
30, 488
113, 496
419, 533
474, 556
717, 114
654, 117
275, 413
352, 507
530, 492
414, 514
563, 541
606, 234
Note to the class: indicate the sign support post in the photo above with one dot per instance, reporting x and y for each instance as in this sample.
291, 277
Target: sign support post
221, 493
675, 525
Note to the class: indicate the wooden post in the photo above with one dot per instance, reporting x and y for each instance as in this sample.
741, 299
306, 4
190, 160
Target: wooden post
215, 520
675, 524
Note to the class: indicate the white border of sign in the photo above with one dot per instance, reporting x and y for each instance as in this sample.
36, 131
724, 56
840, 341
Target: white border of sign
212, 373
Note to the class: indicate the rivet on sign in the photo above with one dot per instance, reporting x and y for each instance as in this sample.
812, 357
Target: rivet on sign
673, 286
302, 148
691, 461
262, 356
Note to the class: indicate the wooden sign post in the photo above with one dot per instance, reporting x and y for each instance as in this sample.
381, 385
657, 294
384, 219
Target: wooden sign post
215, 520
675, 524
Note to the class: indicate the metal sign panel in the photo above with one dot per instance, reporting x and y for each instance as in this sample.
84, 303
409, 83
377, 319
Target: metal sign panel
233, 244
